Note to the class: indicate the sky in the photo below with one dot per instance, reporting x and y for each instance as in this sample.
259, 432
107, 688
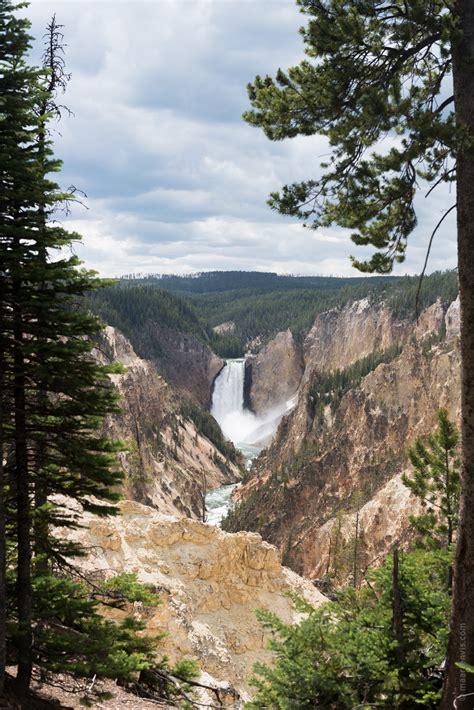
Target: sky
176, 181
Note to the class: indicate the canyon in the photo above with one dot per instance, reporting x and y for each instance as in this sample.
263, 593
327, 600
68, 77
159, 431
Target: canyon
169, 463
319, 463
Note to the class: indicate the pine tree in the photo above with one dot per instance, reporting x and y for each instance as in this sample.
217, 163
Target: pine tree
375, 69
54, 394
380, 646
435, 481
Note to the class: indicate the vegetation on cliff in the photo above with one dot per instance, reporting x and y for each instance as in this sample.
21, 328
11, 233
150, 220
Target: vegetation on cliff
361, 651
328, 388
384, 644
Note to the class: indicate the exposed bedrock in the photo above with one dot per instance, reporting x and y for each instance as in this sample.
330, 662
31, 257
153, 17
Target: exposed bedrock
273, 376
326, 462
182, 358
210, 583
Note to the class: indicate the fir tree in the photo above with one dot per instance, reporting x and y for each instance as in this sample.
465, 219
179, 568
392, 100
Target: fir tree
54, 394
435, 481
380, 646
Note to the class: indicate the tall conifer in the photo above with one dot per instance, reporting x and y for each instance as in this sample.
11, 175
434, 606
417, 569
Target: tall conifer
54, 394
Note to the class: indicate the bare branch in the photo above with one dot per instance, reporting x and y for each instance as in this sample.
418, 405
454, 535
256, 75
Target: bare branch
422, 275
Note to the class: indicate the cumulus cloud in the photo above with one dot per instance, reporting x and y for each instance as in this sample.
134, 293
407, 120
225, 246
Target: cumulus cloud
176, 182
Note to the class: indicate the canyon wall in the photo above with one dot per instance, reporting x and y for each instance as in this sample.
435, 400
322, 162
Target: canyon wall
169, 463
273, 376
182, 358
210, 583
325, 463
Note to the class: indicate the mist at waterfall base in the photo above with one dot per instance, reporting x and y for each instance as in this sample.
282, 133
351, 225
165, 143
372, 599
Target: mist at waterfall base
250, 433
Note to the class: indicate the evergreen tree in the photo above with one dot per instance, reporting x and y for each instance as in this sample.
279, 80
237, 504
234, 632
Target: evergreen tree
435, 480
55, 461
380, 646
375, 69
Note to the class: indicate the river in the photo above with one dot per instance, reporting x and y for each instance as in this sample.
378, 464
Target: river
219, 500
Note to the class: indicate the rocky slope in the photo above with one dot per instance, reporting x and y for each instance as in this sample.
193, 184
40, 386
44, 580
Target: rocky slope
273, 376
182, 358
347, 454
169, 463
210, 583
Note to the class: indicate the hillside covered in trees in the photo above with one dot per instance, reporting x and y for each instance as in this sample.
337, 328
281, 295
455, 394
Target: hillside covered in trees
257, 305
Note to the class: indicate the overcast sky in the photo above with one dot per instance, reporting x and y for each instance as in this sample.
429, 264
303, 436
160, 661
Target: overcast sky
176, 182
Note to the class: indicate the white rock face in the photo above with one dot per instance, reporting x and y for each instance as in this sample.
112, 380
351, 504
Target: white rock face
210, 582
453, 319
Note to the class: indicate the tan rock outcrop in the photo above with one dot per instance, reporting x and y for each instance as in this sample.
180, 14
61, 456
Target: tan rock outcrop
274, 374
210, 582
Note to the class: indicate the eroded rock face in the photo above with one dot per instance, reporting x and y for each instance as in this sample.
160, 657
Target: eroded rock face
453, 319
182, 358
341, 336
169, 463
274, 374
383, 521
210, 583
318, 465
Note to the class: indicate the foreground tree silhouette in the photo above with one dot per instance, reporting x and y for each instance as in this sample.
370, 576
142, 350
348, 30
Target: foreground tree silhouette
403, 69
54, 394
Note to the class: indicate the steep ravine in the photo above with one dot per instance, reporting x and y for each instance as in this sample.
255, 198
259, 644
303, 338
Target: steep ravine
169, 463
318, 470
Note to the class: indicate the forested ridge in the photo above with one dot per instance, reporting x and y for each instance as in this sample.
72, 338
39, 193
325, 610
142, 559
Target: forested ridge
258, 305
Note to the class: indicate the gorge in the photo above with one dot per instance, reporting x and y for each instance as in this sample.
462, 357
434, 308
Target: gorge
249, 431
323, 420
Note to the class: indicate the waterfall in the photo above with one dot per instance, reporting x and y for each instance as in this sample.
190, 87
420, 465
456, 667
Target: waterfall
246, 430
228, 396
227, 408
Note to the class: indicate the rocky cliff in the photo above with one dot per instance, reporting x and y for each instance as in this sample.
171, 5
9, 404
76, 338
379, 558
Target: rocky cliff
343, 447
273, 376
210, 583
169, 463
182, 358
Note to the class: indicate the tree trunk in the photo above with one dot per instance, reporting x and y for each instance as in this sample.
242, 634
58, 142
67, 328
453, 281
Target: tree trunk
461, 641
356, 550
3, 596
397, 610
24, 595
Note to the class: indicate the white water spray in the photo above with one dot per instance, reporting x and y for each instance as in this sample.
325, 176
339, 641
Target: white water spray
244, 428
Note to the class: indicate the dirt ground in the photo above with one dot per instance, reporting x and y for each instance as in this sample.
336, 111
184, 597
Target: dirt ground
63, 692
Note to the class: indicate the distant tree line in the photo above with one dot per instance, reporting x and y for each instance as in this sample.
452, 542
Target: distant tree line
259, 305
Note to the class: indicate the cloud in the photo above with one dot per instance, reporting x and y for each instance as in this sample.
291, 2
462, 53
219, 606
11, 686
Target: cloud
176, 182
